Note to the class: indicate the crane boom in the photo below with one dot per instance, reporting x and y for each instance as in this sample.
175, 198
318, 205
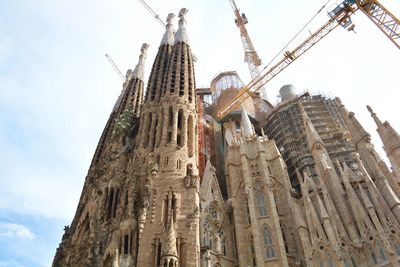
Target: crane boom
115, 66
152, 12
250, 54
382, 18
341, 17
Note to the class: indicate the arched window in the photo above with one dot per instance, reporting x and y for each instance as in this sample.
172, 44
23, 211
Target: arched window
252, 251
160, 128
154, 132
214, 192
283, 230
126, 244
179, 133
253, 169
268, 245
148, 121
206, 233
248, 212
276, 200
210, 243
190, 136
213, 212
257, 169
262, 205
170, 123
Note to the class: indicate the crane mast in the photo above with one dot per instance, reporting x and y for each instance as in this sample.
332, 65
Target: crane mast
385, 21
250, 54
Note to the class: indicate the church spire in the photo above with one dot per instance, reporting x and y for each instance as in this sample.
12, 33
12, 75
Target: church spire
247, 128
168, 37
160, 65
138, 72
181, 35
390, 139
358, 132
180, 75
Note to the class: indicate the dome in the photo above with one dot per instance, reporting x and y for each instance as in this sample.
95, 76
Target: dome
287, 91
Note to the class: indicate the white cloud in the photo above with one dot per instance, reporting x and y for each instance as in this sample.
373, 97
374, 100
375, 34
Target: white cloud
10, 263
12, 230
6, 48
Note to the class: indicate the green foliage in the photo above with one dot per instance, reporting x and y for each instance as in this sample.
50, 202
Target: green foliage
123, 123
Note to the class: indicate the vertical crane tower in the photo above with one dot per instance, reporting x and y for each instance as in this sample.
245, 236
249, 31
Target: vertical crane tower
250, 54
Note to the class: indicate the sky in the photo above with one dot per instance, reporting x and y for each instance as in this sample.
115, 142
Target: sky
57, 88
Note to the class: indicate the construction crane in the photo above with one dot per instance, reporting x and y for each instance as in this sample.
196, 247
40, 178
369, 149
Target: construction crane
115, 66
250, 55
340, 15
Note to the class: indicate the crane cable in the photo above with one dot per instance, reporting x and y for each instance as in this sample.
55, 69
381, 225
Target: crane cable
297, 34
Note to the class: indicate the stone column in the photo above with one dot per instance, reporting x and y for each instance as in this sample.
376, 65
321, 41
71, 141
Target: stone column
174, 125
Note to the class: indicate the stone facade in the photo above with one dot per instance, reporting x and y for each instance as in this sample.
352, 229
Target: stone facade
144, 203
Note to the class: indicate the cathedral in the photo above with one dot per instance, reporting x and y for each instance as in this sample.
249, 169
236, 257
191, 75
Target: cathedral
293, 184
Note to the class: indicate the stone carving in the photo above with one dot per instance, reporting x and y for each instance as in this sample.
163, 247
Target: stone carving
169, 254
66, 232
146, 193
124, 123
218, 244
190, 180
324, 162
192, 218
169, 244
142, 220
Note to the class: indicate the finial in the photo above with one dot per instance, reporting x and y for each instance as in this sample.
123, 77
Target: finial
370, 110
378, 122
182, 13
168, 37
138, 72
247, 129
181, 35
170, 18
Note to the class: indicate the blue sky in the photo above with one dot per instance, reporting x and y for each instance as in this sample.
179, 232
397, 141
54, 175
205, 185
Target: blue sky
57, 89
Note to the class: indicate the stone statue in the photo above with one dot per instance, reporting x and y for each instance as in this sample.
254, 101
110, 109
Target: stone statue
324, 162
116, 259
218, 245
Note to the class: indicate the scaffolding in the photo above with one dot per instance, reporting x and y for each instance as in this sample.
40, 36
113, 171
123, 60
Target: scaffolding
285, 126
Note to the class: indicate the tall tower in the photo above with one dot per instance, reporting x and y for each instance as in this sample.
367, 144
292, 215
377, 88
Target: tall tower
104, 223
168, 220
